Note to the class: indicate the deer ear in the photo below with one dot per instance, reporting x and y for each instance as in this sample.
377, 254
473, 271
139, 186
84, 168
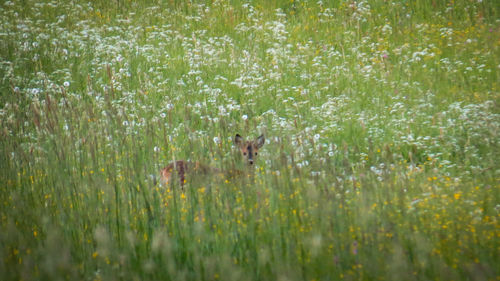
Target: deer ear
238, 139
260, 141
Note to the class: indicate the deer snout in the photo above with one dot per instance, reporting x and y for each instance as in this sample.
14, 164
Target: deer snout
250, 161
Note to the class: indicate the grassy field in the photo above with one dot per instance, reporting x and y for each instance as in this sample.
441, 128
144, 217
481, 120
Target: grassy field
382, 126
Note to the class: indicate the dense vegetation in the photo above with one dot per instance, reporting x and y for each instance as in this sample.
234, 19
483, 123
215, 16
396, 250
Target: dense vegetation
382, 125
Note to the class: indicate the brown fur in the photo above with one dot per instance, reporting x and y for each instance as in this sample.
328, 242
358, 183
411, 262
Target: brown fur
248, 149
182, 168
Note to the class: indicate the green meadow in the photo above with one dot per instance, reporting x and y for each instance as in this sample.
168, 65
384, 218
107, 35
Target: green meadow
381, 160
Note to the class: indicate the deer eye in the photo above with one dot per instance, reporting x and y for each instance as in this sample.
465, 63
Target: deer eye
255, 153
244, 153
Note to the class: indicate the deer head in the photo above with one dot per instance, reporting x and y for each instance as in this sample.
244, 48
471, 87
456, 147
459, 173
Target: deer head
249, 149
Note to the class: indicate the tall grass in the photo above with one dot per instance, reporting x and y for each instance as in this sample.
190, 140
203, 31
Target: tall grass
381, 161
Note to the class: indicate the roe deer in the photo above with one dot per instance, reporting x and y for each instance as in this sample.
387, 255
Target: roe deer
249, 150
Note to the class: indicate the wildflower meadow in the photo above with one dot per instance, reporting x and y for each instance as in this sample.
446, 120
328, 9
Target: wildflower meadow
382, 139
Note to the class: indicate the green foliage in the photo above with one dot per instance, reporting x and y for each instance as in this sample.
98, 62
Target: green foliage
382, 130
